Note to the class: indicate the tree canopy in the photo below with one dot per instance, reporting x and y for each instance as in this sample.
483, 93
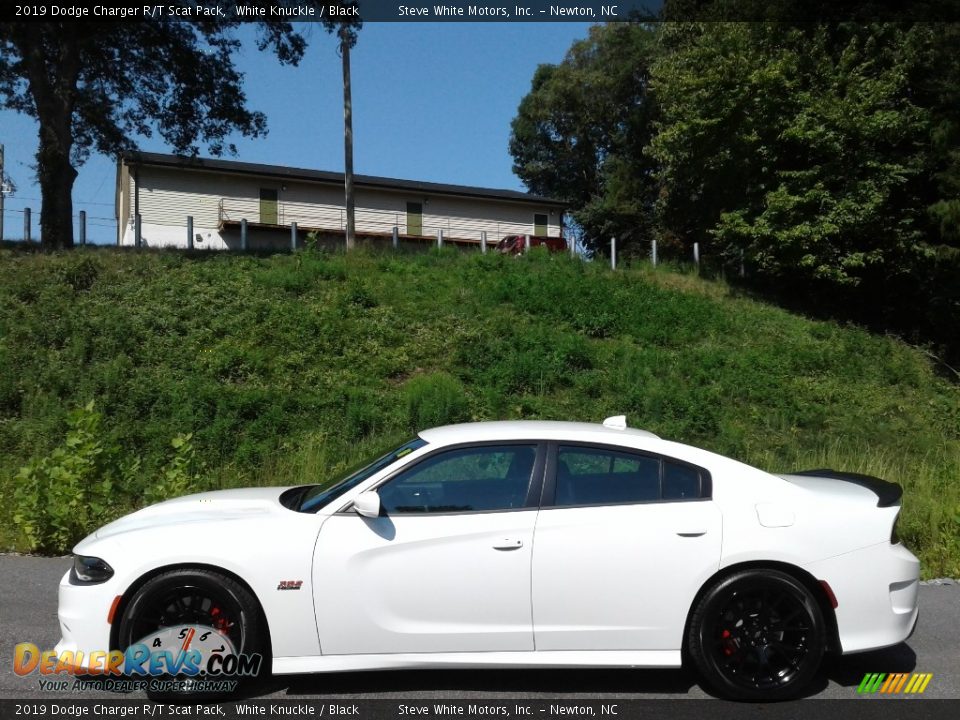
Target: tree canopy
96, 86
579, 133
820, 154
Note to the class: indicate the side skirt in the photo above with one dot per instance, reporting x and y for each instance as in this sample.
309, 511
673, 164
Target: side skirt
549, 658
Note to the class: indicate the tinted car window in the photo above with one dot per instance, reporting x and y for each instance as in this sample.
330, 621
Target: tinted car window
316, 496
587, 476
463, 480
680, 482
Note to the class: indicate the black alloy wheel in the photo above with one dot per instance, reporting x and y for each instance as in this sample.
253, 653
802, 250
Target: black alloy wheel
757, 635
194, 597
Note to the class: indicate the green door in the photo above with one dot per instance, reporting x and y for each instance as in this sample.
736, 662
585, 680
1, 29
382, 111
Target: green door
414, 218
540, 225
268, 206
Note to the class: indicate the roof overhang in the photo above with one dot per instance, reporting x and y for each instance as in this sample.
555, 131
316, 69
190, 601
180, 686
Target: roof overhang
232, 167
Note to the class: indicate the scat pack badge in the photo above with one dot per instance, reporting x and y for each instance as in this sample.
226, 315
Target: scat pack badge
289, 584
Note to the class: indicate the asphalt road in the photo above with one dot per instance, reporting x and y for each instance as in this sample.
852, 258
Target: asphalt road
28, 613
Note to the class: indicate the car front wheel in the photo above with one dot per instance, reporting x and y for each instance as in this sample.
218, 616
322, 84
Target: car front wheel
197, 609
757, 635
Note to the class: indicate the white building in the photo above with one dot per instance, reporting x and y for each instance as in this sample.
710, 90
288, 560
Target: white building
219, 195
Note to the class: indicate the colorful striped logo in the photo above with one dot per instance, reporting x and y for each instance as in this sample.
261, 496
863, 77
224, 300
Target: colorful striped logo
894, 683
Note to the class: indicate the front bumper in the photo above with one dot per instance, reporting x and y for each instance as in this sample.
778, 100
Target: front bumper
876, 589
82, 611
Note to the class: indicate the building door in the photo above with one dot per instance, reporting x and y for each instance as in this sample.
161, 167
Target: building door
414, 218
540, 225
268, 206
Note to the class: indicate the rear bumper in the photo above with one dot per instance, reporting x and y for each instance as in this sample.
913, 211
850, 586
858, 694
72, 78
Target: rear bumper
876, 589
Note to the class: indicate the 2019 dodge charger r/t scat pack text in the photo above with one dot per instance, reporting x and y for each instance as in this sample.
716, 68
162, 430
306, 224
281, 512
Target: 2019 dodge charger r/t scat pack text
516, 544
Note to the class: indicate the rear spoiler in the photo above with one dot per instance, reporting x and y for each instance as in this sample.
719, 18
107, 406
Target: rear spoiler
888, 493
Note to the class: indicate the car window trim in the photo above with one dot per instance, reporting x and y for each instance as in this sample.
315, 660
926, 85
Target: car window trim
550, 479
531, 502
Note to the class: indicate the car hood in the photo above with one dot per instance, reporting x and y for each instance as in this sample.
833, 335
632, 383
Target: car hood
216, 506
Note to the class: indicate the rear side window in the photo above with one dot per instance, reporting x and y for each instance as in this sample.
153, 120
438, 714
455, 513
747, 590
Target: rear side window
598, 476
680, 482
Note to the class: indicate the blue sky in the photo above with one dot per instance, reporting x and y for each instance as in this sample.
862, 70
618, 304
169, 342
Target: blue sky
431, 101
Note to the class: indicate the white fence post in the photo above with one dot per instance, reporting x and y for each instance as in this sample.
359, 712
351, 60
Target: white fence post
396, 236
613, 253
696, 254
653, 252
483, 242
440, 238
526, 243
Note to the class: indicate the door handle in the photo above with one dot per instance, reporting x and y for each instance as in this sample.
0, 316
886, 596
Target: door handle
508, 544
692, 532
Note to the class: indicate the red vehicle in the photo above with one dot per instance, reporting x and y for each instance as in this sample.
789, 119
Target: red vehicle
515, 244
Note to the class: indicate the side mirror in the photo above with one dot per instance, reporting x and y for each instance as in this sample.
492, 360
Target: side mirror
367, 504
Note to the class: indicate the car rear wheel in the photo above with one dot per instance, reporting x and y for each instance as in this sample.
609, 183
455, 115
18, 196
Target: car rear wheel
195, 598
757, 635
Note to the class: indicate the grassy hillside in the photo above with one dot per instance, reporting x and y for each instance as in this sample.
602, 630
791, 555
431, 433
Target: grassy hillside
288, 369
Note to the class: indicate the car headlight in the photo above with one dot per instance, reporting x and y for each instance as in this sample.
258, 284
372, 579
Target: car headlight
88, 569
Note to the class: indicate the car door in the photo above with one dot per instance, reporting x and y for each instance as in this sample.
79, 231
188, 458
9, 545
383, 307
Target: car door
446, 566
623, 542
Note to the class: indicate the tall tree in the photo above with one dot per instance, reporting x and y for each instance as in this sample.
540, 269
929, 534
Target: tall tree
803, 146
95, 86
579, 133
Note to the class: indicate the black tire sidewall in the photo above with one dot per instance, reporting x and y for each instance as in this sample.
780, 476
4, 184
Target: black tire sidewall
702, 620
249, 615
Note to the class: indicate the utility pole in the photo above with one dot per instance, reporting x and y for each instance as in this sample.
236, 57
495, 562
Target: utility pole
3, 191
346, 40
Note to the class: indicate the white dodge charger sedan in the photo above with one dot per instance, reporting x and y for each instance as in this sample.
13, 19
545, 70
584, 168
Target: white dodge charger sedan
515, 544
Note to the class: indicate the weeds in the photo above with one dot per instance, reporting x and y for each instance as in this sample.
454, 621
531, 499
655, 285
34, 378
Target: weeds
286, 369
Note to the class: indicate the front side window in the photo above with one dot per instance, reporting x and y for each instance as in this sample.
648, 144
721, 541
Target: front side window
599, 476
474, 479
316, 496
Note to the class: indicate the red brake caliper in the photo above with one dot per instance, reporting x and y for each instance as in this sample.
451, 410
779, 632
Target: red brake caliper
729, 644
219, 622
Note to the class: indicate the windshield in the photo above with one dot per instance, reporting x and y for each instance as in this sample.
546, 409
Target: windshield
319, 495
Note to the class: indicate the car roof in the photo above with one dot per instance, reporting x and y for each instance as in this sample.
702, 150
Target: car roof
527, 430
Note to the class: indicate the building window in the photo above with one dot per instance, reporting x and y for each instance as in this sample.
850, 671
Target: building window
414, 218
540, 225
268, 206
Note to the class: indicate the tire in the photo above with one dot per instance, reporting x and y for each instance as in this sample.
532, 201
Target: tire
757, 635
200, 597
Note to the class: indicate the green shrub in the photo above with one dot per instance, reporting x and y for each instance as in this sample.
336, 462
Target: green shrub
87, 482
57, 498
290, 368
180, 476
435, 399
